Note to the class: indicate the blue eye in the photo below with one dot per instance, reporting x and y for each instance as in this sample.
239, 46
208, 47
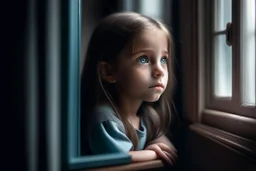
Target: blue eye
143, 59
164, 60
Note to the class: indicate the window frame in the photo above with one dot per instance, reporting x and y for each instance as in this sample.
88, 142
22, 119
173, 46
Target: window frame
230, 107
223, 104
231, 130
225, 123
71, 99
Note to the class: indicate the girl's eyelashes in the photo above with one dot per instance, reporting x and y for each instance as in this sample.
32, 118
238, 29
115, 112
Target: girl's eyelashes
143, 59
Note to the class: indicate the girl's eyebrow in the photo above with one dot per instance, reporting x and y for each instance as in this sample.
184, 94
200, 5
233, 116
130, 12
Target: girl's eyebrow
148, 50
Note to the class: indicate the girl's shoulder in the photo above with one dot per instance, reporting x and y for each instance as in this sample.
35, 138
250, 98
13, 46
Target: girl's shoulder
105, 116
105, 113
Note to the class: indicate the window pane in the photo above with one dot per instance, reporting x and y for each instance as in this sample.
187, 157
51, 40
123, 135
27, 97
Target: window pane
128, 4
222, 67
222, 14
153, 8
248, 52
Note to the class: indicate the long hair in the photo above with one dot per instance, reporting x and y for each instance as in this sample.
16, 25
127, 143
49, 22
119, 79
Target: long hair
109, 38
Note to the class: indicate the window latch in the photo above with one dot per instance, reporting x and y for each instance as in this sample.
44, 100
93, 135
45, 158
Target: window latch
229, 34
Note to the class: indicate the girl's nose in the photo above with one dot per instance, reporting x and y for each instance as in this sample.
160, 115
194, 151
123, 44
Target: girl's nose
158, 71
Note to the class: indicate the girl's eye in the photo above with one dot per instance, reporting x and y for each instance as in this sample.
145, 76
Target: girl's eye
143, 59
164, 60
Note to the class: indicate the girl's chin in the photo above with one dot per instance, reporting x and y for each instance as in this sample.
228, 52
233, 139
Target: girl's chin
154, 98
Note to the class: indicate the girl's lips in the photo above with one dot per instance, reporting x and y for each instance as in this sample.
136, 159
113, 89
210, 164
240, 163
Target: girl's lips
157, 86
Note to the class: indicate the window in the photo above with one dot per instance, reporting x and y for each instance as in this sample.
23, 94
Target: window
231, 57
226, 75
75, 160
222, 53
248, 68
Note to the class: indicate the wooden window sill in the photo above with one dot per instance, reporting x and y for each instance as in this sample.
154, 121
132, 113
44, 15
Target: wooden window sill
133, 166
243, 146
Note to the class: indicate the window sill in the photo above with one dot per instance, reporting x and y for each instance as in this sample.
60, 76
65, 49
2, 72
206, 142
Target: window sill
240, 145
133, 166
237, 125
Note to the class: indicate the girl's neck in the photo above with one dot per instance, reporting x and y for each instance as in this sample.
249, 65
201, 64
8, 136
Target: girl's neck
128, 107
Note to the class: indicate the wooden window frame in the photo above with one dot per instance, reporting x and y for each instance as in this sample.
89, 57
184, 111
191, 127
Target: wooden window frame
71, 100
217, 109
233, 129
223, 104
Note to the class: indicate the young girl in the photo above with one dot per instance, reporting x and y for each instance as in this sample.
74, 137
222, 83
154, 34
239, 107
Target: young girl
126, 87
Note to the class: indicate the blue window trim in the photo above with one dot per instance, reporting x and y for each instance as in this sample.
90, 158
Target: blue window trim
75, 161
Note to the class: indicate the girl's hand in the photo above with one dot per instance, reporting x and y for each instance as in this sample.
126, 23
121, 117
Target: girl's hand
163, 151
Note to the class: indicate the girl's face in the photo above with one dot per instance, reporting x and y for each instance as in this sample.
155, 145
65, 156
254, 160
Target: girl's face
142, 72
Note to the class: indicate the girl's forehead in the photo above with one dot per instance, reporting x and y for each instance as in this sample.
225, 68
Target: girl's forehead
154, 39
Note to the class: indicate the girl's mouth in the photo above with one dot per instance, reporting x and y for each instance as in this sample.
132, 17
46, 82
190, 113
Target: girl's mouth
157, 86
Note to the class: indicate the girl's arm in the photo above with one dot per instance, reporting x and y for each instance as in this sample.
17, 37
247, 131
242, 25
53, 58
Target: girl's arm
163, 148
143, 155
162, 139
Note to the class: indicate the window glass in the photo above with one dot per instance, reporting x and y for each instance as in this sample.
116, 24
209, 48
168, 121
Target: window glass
222, 14
248, 52
222, 67
153, 8
222, 53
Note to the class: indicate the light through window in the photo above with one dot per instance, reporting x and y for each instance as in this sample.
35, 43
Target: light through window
248, 53
222, 52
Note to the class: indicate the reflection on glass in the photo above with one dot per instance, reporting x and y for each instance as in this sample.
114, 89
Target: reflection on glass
222, 67
248, 52
222, 14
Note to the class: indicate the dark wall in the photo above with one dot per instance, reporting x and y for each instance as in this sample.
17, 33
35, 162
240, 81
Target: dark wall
92, 12
13, 39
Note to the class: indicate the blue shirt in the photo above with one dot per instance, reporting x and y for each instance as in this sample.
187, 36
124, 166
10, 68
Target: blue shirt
108, 135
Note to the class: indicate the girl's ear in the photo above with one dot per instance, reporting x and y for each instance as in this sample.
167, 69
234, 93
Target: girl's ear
106, 72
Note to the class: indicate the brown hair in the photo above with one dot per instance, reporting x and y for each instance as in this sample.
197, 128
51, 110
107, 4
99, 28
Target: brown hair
109, 38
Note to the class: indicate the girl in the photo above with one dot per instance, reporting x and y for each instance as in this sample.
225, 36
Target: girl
127, 83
